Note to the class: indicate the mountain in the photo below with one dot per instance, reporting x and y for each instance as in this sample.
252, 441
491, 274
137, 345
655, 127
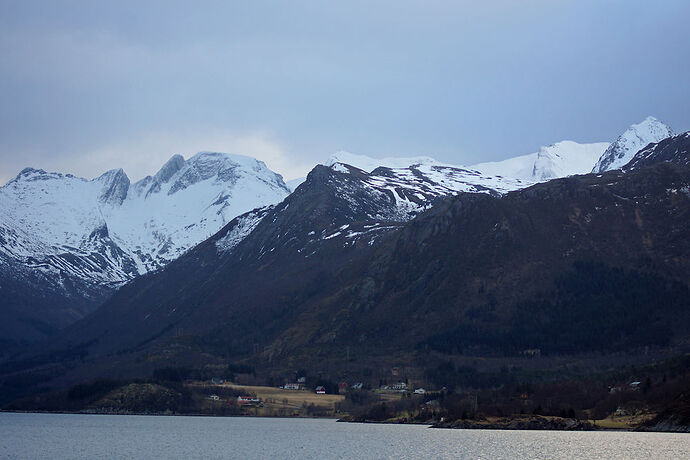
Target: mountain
336, 276
635, 138
675, 149
565, 158
66, 243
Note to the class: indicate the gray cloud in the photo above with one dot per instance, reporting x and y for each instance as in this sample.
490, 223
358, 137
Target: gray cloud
86, 86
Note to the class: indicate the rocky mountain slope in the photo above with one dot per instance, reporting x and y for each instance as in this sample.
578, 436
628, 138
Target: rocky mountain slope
636, 137
593, 263
67, 242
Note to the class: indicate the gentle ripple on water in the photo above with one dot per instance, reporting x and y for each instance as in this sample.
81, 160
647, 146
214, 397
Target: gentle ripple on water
103, 436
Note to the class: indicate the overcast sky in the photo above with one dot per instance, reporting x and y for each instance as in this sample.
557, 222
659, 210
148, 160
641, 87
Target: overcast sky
87, 86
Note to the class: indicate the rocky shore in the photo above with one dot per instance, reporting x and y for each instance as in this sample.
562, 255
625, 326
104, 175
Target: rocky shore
522, 423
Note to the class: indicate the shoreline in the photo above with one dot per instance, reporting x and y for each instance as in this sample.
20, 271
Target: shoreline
530, 423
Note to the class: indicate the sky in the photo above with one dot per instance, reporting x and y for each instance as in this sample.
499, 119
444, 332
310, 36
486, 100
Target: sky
88, 86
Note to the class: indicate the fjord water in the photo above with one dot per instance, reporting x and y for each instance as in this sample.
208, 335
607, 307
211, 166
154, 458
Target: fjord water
119, 436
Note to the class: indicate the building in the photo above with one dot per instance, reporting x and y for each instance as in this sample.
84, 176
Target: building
320, 390
419, 391
249, 401
342, 388
291, 386
400, 386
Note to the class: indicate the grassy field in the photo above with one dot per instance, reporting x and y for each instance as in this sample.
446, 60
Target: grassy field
280, 402
622, 422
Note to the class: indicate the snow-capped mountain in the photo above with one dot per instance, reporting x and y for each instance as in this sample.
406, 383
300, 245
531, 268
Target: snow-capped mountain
565, 158
412, 184
324, 270
150, 222
368, 164
367, 197
81, 238
635, 138
674, 149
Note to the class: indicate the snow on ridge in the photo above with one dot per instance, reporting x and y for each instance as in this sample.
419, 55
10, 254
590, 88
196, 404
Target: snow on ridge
245, 224
368, 164
561, 159
635, 138
131, 228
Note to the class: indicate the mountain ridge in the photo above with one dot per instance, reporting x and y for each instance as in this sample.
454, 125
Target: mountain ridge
637, 136
79, 239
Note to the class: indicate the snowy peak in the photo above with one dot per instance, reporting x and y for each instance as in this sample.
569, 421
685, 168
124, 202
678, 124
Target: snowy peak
173, 165
218, 168
635, 138
105, 231
402, 187
565, 158
368, 164
674, 149
115, 187
222, 167
33, 174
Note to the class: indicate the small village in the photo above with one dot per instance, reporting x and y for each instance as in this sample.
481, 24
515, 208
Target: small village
299, 398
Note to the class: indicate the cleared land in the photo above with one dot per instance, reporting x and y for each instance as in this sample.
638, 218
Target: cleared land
295, 398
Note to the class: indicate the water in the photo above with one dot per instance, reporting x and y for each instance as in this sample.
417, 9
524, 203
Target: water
102, 436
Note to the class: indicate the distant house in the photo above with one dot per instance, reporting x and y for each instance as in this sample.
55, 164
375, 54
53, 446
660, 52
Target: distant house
320, 390
217, 381
214, 397
419, 391
400, 386
291, 386
248, 401
342, 388
621, 387
357, 386
302, 380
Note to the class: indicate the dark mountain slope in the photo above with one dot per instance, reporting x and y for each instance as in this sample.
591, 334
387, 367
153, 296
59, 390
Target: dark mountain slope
587, 263
237, 294
674, 149
467, 267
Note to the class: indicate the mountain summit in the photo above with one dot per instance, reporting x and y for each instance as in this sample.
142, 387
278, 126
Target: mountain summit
67, 242
635, 138
561, 159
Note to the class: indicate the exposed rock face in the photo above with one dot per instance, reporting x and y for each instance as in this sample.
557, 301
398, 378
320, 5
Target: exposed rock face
337, 264
674, 149
521, 423
66, 243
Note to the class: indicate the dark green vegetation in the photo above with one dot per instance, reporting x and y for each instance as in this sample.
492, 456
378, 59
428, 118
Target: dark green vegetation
591, 307
658, 398
137, 396
554, 283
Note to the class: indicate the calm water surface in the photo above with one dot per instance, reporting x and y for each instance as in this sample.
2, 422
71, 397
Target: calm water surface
104, 436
